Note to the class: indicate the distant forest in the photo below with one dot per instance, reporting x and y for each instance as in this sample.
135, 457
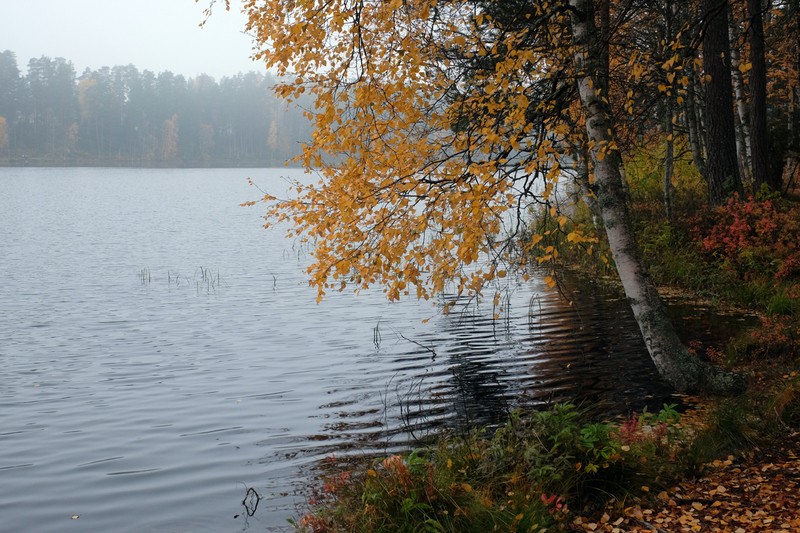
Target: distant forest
122, 116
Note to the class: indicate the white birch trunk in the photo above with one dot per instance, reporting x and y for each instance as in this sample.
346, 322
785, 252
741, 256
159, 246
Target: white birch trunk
742, 114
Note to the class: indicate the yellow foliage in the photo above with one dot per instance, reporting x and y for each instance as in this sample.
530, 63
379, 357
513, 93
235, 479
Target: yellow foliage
414, 168
433, 131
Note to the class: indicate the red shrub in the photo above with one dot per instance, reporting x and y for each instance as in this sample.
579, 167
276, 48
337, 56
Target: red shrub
753, 238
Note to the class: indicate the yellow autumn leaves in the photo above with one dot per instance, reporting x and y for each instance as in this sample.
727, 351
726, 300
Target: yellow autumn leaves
416, 149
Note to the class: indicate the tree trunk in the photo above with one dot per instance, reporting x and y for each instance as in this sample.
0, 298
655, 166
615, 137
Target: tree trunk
795, 127
678, 367
669, 160
669, 151
759, 136
582, 179
722, 169
605, 35
742, 116
693, 122
691, 118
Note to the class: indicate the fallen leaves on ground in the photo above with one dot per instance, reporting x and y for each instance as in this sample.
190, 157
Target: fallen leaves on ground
758, 492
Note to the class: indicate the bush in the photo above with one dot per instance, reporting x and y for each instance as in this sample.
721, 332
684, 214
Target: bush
753, 238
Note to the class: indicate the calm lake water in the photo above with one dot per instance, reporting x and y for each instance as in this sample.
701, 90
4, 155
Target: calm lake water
161, 353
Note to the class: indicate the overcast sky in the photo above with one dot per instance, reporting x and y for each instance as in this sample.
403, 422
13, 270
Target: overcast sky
155, 35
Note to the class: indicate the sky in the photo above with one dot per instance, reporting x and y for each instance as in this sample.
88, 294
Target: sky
155, 35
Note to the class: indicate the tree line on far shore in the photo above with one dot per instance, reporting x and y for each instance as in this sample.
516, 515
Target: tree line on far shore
123, 116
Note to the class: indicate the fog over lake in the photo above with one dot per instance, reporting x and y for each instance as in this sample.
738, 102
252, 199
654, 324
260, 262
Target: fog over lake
156, 35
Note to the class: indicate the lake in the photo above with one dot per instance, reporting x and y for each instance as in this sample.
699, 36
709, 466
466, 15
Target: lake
162, 354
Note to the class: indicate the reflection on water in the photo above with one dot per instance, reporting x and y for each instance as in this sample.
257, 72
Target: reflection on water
162, 354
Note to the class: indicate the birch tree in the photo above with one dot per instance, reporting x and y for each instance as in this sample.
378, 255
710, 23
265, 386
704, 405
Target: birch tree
742, 114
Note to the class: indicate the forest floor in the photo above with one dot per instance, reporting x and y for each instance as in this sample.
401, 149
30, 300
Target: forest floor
757, 490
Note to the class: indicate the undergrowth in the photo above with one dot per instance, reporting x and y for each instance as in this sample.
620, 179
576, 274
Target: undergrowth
544, 468
532, 474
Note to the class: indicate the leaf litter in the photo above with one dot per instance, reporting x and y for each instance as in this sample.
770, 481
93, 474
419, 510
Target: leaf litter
756, 492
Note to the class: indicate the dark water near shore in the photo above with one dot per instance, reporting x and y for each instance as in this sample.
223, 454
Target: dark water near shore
160, 353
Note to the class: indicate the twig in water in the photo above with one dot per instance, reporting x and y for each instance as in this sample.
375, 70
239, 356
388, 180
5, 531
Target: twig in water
385, 400
404, 402
535, 300
431, 350
376, 335
250, 502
